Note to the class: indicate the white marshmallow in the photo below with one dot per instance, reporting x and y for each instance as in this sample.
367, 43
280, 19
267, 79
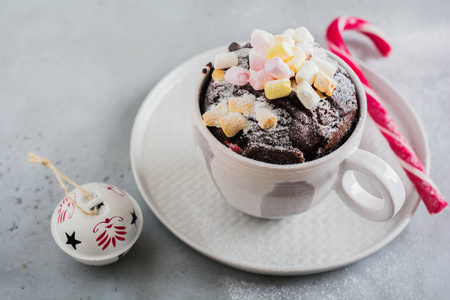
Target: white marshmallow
306, 94
307, 72
289, 31
301, 34
289, 39
225, 60
271, 38
306, 47
279, 38
324, 66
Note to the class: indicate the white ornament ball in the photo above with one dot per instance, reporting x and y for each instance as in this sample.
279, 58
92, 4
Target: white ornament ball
102, 238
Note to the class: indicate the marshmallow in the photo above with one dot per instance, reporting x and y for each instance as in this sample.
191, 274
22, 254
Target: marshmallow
284, 38
261, 40
271, 40
232, 123
266, 119
301, 34
307, 72
213, 116
225, 60
325, 83
277, 39
282, 50
321, 96
295, 62
277, 68
218, 75
277, 88
289, 31
259, 79
289, 39
237, 76
298, 52
324, 66
307, 47
243, 105
306, 94
256, 60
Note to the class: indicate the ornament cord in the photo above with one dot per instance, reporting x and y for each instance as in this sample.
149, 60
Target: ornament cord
33, 158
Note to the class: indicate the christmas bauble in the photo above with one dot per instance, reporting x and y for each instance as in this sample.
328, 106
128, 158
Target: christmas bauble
101, 238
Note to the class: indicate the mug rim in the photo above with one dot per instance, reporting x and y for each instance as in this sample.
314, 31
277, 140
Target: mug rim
237, 158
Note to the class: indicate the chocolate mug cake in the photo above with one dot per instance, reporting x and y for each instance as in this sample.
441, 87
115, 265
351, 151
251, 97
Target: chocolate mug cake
279, 99
278, 122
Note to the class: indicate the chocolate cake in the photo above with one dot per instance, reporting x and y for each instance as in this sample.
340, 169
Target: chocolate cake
299, 134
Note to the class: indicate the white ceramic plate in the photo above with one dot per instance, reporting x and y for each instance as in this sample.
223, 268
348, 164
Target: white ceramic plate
183, 197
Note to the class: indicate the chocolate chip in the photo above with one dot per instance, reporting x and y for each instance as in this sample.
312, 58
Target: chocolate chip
234, 47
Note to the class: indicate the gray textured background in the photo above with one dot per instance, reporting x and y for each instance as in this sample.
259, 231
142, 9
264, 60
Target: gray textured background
72, 77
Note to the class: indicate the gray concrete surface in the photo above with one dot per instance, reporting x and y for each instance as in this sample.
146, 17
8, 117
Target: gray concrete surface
72, 77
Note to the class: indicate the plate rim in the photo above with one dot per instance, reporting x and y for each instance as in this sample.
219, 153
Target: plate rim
148, 106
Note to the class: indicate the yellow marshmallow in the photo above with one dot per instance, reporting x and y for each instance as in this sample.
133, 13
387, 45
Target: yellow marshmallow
325, 83
213, 116
281, 50
321, 96
277, 88
242, 104
218, 75
295, 62
232, 123
266, 119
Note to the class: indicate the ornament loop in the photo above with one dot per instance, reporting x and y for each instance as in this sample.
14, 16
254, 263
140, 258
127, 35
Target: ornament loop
33, 158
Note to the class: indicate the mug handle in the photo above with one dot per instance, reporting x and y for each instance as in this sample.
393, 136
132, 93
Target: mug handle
381, 175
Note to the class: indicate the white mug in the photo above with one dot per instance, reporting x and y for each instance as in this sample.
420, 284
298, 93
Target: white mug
275, 191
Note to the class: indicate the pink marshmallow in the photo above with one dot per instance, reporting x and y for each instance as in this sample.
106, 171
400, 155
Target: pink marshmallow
277, 68
258, 80
257, 60
237, 76
261, 41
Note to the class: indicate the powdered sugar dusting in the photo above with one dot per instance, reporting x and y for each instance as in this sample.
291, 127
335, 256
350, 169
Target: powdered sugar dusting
300, 134
242, 55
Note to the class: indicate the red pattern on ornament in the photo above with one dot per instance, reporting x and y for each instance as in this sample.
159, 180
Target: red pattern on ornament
112, 188
66, 209
111, 233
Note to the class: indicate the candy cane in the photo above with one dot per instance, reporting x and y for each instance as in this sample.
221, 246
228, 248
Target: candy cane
433, 199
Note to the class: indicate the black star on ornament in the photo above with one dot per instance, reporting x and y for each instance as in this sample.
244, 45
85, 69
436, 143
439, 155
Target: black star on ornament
72, 241
133, 215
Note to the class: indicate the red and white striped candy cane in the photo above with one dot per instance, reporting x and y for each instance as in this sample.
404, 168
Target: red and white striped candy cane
433, 199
